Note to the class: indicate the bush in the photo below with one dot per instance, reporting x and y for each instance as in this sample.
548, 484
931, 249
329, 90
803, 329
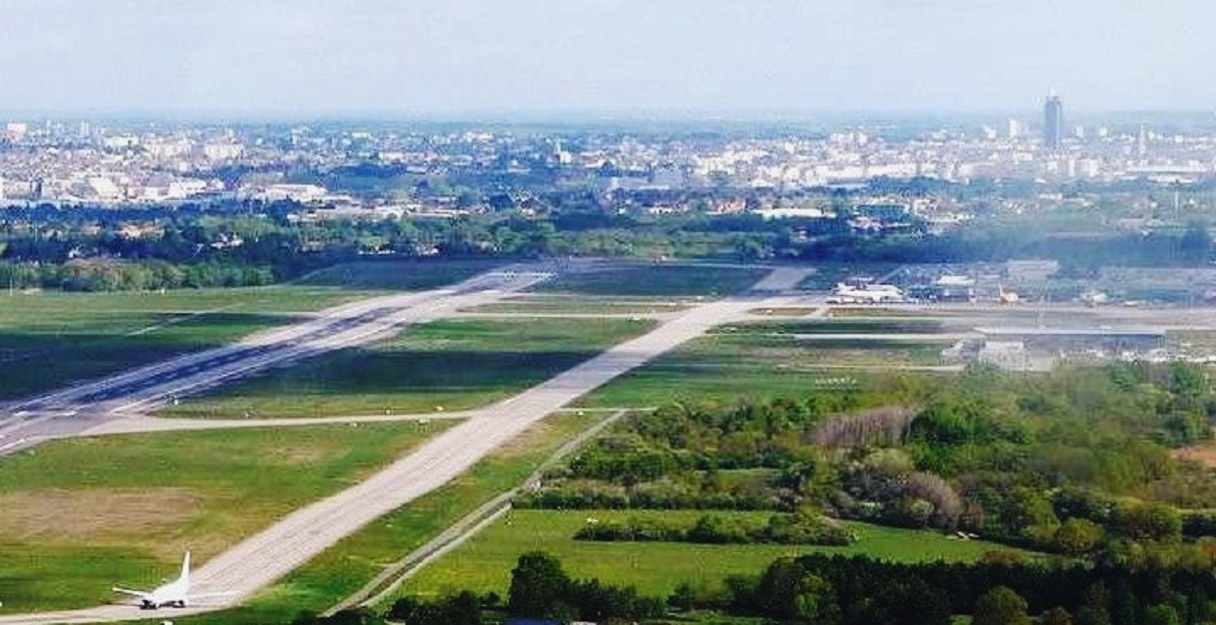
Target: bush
784, 529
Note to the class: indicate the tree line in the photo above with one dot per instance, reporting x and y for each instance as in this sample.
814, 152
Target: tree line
837, 590
801, 528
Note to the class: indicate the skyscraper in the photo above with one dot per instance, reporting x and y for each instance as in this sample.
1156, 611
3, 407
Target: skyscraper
1053, 122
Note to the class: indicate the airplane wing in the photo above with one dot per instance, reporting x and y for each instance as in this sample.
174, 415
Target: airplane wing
207, 595
133, 593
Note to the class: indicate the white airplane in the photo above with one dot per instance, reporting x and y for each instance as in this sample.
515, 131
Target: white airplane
171, 594
868, 294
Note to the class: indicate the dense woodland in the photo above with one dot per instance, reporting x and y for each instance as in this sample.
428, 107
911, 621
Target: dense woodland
1075, 463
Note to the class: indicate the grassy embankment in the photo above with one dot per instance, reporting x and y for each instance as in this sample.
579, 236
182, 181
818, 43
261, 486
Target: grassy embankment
453, 363
77, 516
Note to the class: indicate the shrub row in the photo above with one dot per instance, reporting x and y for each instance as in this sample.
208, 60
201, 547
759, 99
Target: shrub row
784, 529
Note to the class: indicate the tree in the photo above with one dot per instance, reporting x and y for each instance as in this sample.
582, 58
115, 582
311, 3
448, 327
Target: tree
461, 609
1000, 606
538, 586
1149, 521
1163, 614
405, 610
1077, 536
1056, 616
1195, 245
1090, 615
816, 601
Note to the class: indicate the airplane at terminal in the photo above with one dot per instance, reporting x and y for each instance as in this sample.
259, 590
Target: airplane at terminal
172, 594
866, 294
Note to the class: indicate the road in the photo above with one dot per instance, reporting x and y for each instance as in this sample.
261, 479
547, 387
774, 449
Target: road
289, 543
79, 408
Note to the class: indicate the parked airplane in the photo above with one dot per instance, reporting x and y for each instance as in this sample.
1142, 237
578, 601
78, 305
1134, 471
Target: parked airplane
172, 594
867, 294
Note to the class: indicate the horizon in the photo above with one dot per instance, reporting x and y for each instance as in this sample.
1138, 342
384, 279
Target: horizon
594, 116
431, 58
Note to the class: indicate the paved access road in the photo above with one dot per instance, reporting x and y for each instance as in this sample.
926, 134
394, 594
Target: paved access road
265, 557
79, 408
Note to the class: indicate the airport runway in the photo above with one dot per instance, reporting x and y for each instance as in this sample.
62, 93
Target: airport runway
76, 409
291, 542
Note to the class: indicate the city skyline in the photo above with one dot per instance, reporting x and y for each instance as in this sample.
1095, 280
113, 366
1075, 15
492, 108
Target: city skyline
602, 57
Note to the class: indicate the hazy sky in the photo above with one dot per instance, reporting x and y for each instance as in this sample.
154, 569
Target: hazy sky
453, 57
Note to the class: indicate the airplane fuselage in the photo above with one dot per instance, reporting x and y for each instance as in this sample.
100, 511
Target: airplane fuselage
151, 604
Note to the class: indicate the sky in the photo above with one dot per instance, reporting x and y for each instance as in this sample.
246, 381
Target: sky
674, 57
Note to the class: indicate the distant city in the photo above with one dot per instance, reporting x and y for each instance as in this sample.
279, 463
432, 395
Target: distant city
98, 163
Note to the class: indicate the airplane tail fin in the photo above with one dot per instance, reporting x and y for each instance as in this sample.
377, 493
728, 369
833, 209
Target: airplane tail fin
186, 568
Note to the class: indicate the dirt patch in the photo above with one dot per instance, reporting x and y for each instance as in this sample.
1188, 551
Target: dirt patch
97, 515
1203, 454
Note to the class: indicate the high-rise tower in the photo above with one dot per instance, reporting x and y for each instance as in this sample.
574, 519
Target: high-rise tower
1053, 122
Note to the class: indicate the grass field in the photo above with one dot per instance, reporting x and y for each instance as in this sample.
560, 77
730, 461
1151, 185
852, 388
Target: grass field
581, 304
787, 311
834, 326
658, 280
484, 563
398, 275
729, 367
77, 336
80, 515
454, 363
346, 567
784, 351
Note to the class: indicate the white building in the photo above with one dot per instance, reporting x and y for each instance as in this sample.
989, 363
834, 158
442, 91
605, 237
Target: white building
104, 189
297, 192
223, 151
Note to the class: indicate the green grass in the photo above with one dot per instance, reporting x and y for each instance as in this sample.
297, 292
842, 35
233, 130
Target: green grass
581, 304
399, 275
687, 378
784, 311
484, 563
454, 363
835, 326
658, 280
344, 568
43, 577
729, 367
267, 299
80, 515
79, 336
